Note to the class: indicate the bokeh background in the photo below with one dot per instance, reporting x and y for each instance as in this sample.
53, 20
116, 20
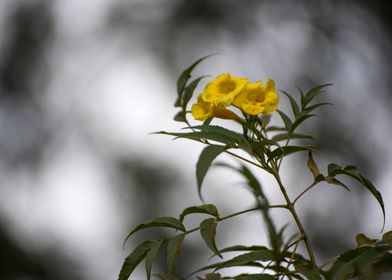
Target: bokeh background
83, 83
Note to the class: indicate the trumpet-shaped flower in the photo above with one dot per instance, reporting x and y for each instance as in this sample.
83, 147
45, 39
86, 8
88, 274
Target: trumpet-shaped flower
223, 89
256, 99
202, 110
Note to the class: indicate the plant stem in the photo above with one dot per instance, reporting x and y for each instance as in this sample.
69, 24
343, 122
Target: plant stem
329, 261
220, 219
305, 191
291, 208
292, 255
244, 159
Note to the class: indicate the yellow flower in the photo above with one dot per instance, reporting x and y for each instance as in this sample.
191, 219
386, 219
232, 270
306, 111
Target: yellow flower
222, 90
257, 99
201, 110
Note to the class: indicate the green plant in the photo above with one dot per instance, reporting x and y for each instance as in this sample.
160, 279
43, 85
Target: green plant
266, 147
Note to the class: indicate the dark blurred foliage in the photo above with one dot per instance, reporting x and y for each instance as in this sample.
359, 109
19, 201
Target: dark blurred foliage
18, 262
174, 32
22, 81
24, 131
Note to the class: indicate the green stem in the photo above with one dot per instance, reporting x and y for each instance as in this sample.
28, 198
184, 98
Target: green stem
329, 261
281, 159
291, 208
220, 219
278, 206
304, 191
246, 160
296, 243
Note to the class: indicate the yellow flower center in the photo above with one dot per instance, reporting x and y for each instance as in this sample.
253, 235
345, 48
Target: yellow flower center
255, 95
226, 87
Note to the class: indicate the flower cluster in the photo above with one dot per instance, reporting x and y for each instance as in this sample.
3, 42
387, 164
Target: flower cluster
225, 90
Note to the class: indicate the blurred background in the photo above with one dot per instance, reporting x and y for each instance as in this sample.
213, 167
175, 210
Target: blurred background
83, 83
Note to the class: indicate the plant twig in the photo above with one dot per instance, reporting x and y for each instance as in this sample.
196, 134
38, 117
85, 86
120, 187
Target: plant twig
304, 191
291, 208
220, 219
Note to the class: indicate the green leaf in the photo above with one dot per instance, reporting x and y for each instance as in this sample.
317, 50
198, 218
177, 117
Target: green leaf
205, 159
376, 194
312, 165
309, 109
203, 209
207, 267
259, 255
262, 143
184, 78
173, 251
252, 181
353, 262
235, 136
188, 92
383, 264
334, 170
312, 93
302, 96
362, 239
259, 276
286, 150
208, 232
334, 181
133, 259
275, 128
168, 276
199, 135
350, 168
151, 255
158, 222
215, 265
213, 276
387, 236
286, 120
242, 248
285, 136
293, 103
306, 269
180, 117
300, 120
